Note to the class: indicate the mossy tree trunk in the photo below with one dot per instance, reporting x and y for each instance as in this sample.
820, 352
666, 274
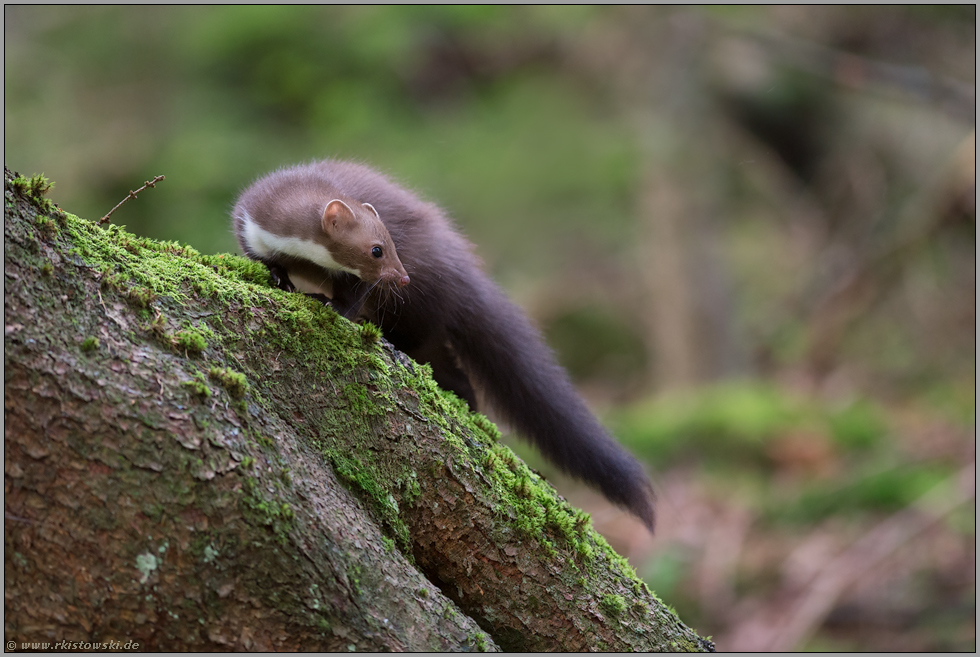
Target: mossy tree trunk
194, 460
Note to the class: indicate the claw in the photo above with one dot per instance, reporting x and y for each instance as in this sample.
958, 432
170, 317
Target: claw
280, 278
322, 298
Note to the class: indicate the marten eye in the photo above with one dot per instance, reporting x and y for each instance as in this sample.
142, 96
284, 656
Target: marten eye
377, 252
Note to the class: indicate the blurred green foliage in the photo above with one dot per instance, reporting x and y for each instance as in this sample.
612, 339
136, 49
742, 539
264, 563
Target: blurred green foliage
844, 457
858, 493
735, 422
597, 345
465, 104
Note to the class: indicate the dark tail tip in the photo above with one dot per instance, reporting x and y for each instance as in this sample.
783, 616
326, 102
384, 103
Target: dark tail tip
641, 504
631, 489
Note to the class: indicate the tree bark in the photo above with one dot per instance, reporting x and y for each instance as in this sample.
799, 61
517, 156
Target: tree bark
196, 461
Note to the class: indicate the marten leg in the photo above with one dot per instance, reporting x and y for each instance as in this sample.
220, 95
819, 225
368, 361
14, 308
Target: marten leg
445, 369
348, 295
280, 277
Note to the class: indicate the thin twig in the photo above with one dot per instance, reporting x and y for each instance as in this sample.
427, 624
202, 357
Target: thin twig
148, 183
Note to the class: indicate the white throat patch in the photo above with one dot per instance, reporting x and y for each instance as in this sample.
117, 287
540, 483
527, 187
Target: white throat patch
265, 244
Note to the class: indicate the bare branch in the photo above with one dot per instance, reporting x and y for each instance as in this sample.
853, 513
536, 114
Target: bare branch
132, 194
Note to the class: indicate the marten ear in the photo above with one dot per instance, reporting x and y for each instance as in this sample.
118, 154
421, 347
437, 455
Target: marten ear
371, 208
338, 215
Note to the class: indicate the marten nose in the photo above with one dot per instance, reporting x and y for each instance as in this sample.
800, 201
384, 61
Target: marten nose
404, 280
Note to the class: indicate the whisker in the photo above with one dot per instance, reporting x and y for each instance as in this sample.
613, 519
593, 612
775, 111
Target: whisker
360, 300
418, 290
383, 300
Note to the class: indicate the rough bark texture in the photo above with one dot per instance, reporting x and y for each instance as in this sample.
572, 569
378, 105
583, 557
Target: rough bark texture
194, 460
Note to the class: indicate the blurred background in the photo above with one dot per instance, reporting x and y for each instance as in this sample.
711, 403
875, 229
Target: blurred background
748, 233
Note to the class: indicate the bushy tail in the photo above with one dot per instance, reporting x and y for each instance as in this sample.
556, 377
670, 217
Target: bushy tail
518, 373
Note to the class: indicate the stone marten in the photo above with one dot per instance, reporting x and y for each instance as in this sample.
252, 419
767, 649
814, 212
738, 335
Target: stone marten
377, 251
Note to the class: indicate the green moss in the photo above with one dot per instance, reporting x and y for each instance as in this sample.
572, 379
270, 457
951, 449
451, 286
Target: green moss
234, 382
534, 509
47, 268
21, 185
158, 327
47, 226
112, 280
612, 604
411, 489
370, 333
275, 515
91, 343
359, 400
198, 385
153, 511
192, 342
484, 425
35, 188
480, 642
39, 185
361, 477
354, 577
142, 297
232, 266
166, 269
522, 488
513, 462
562, 521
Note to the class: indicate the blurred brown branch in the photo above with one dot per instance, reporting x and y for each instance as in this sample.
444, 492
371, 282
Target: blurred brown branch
957, 98
790, 618
876, 270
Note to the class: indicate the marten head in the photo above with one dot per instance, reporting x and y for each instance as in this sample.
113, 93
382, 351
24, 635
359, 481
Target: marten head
359, 241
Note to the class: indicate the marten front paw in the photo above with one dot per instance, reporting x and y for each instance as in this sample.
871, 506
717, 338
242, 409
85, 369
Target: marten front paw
280, 278
322, 298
